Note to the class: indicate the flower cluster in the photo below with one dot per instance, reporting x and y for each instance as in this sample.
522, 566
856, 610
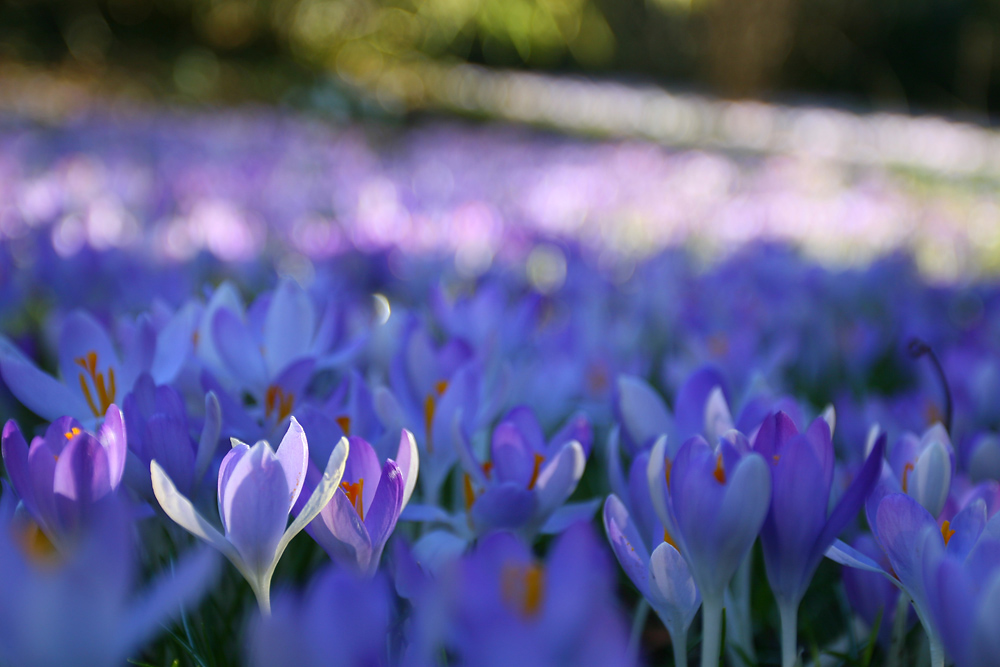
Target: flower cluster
452, 444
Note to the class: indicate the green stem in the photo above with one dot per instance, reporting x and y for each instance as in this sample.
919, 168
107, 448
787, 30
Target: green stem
937, 650
680, 648
898, 630
789, 633
711, 631
638, 624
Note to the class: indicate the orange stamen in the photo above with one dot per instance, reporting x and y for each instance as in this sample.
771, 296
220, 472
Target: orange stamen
534, 473
906, 472
720, 472
947, 532
269, 398
488, 469
36, 545
668, 539
345, 424
285, 405
430, 405
667, 467
73, 432
523, 587
88, 363
468, 492
440, 387
776, 457
355, 493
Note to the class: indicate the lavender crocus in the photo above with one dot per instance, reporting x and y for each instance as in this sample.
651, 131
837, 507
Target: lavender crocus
355, 525
526, 479
79, 605
712, 502
662, 577
340, 618
798, 528
65, 472
257, 489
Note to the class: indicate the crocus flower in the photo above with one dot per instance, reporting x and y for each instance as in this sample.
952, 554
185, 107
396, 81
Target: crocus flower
93, 376
501, 606
66, 471
871, 595
964, 602
340, 617
355, 525
79, 605
258, 487
712, 503
526, 479
157, 426
798, 528
662, 577
924, 466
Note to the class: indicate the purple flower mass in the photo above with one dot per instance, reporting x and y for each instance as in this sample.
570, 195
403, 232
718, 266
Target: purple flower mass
453, 354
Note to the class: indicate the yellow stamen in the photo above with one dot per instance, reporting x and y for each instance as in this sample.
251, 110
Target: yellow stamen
36, 545
355, 493
285, 405
947, 532
523, 587
345, 424
105, 391
669, 540
269, 398
276, 397
534, 473
667, 467
720, 472
467, 491
430, 405
906, 472
73, 432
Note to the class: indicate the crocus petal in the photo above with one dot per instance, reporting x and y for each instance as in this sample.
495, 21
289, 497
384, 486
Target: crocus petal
238, 350
289, 325
656, 477
643, 413
968, 525
187, 582
743, 509
82, 472
138, 351
463, 448
80, 335
570, 513
845, 554
15, 460
173, 344
576, 428
408, 460
692, 406
363, 464
512, 456
902, 525
320, 496
180, 509
385, 508
625, 542
852, 500
341, 533
167, 441
672, 591
293, 454
558, 478
209, 440
112, 436
616, 475
257, 501
931, 477
503, 506
226, 468
41, 393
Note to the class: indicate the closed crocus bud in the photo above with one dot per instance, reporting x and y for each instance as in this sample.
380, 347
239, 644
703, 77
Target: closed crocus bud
924, 467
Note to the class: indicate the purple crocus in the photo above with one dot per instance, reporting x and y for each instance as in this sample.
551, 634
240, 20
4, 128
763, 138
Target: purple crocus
355, 525
712, 502
499, 605
924, 466
340, 617
662, 576
964, 602
526, 479
258, 487
799, 528
157, 425
78, 605
65, 472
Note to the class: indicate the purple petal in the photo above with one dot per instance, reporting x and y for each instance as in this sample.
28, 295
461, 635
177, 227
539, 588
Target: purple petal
558, 478
168, 443
524, 420
293, 455
513, 458
257, 495
625, 542
15, 460
643, 414
112, 435
689, 408
902, 525
41, 393
363, 464
408, 460
289, 326
672, 591
576, 428
229, 461
341, 533
238, 350
503, 506
382, 515
80, 335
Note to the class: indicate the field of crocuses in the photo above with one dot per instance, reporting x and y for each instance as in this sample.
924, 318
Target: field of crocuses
278, 392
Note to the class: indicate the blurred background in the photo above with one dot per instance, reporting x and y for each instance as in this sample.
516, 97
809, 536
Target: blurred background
847, 127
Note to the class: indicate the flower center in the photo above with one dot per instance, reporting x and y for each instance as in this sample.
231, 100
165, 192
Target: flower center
720, 472
906, 474
277, 398
355, 494
105, 391
522, 587
36, 545
947, 532
72, 433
